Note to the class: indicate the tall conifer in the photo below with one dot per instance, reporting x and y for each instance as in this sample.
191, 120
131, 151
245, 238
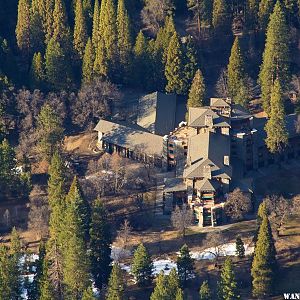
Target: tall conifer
23, 27
80, 30
174, 69
37, 71
197, 91
205, 292
264, 263
220, 15
60, 22
115, 284
95, 31
88, 63
185, 264
276, 56
277, 135
264, 12
100, 245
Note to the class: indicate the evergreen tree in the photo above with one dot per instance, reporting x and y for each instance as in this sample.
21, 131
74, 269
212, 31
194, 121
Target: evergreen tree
197, 91
47, 17
88, 14
264, 263
38, 276
190, 63
58, 72
174, 67
164, 36
76, 264
185, 264
141, 62
60, 23
277, 135
95, 32
82, 207
5, 273
124, 39
276, 56
88, 294
115, 284
80, 30
23, 26
46, 291
37, 72
179, 295
236, 73
15, 252
37, 36
220, 15
205, 292
49, 130
167, 286
100, 244
239, 247
88, 63
264, 12
101, 63
142, 266
227, 287
252, 13
109, 36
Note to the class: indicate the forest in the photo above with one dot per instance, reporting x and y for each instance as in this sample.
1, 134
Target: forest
66, 64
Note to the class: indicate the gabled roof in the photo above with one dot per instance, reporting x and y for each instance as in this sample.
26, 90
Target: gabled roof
207, 185
238, 112
157, 112
197, 117
219, 102
130, 136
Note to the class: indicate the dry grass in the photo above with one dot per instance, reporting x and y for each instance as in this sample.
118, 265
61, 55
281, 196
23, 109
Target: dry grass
81, 144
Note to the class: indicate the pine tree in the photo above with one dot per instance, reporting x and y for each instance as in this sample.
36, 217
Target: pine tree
124, 39
15, 251
167, 286
80, 30
205, 292
179, 295
76, 264
37, 72
50, 131
264, 12
5, 273
164, 37
58, 72
276, 56
37, 36
264, 263
88, 63
220, 15
141, 61
23, 27
88, 294
101, 62
277, 135
115, 284
190, 63
95, 32
239, 247
46, 291
60, 23
227, 286
47, 17
88, 14
142, 266
236, 73
174, 67
83, 209
197, 91
110, 34
100, 244
185, 264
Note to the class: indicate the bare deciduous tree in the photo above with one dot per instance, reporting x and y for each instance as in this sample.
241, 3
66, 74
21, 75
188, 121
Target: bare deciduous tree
124, 234
238, 205
154, 14
215, 241
182, 218
93, 102
278, 209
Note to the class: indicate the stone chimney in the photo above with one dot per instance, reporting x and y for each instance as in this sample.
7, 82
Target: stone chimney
209, 121
207, 172
226, 160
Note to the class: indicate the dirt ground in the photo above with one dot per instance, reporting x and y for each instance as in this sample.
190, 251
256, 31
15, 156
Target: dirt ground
82, 144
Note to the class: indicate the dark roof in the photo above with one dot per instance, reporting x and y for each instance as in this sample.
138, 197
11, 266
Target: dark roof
219, 102
205, 149
291, 126
130, 137
157, 113
197, 117
238, 112
207, 185
174, 185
